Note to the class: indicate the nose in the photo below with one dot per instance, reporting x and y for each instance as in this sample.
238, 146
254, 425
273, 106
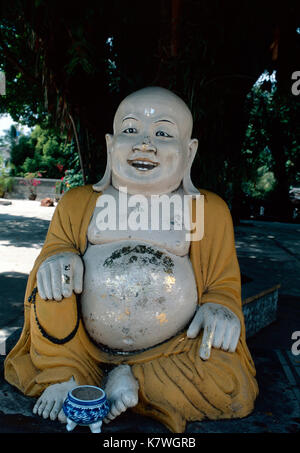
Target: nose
146, 145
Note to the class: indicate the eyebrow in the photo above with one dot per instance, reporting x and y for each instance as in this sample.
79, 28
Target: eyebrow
165, 121
129, 118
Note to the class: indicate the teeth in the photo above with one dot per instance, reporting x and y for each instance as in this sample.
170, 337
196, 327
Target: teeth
143, 165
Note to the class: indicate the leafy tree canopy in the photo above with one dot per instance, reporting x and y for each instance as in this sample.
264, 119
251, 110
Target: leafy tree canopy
76, 61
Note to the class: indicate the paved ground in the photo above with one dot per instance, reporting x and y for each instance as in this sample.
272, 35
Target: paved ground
268, 252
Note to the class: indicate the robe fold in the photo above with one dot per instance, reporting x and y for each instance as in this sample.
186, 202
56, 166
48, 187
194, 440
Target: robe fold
175, 385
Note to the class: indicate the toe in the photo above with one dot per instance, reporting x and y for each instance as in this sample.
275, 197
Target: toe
120, 406
42, 407
48, 407
55, 410
36, 406
130, 399
62, 417
114, 410
110, 416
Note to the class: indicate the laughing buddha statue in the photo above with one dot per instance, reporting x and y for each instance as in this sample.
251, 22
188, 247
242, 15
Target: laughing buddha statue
150, 315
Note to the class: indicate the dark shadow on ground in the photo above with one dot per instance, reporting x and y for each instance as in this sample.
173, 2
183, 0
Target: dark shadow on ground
278, 334
12, 291
21, 231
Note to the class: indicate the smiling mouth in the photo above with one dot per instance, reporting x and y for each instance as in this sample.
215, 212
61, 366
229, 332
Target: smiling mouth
143, 164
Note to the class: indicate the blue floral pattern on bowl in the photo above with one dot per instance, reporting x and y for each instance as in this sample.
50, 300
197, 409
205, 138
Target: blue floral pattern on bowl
81, 410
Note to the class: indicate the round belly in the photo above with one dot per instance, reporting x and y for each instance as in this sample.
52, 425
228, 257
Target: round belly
136, 295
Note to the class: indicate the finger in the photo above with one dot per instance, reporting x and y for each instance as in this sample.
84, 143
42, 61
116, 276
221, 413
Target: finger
40, 285
67, 278
78, 276
195, 326
46, 276
227, 337
207, 340
56, 281
219, 334
235, 338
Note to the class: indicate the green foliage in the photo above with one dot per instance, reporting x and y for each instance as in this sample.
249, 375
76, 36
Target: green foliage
78, 63
24, 99
73, 176
6, 181
261, 185
266, 161
44, 151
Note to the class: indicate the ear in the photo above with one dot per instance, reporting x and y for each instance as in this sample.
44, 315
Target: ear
108, 139
193, 146
106, 179
187, 184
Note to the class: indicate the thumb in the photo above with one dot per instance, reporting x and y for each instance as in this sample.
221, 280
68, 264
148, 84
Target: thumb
207, 340
195, 326
78, 275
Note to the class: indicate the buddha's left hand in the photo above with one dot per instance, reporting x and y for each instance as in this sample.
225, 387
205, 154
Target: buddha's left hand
221, 326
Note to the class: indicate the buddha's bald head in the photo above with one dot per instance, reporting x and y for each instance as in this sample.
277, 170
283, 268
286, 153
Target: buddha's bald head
156, 102
151, 150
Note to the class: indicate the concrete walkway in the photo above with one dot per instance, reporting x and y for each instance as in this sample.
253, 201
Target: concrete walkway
267, 251
23, 227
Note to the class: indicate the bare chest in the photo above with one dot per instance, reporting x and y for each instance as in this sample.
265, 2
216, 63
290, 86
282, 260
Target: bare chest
159, 221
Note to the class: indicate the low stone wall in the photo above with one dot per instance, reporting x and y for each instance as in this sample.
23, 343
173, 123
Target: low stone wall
46, 188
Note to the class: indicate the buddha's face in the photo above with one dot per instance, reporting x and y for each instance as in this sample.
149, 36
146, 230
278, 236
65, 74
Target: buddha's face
151, 145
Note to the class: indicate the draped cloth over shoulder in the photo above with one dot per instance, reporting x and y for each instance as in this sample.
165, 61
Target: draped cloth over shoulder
176, 386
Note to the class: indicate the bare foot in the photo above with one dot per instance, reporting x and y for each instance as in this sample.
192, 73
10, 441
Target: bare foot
121, 391
51, 401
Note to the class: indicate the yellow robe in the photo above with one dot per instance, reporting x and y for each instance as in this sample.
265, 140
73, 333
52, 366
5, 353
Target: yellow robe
176, 386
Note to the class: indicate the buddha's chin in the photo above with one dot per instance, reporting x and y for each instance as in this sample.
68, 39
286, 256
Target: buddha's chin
145, 187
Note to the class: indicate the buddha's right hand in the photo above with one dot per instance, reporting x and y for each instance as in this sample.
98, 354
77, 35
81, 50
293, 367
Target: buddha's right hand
60, 275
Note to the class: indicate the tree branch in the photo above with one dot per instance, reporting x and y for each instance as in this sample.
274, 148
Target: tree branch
14, 61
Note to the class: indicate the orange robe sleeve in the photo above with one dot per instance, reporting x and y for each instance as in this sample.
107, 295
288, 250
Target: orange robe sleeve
216, 266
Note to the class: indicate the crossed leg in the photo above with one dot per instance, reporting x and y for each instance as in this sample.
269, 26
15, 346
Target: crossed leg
121, 390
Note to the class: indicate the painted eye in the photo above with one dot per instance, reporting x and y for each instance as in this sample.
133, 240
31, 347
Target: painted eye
130, 130
162, 134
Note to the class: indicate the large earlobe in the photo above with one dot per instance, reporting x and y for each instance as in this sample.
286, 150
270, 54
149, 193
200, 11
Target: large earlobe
187, 184
106, 179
